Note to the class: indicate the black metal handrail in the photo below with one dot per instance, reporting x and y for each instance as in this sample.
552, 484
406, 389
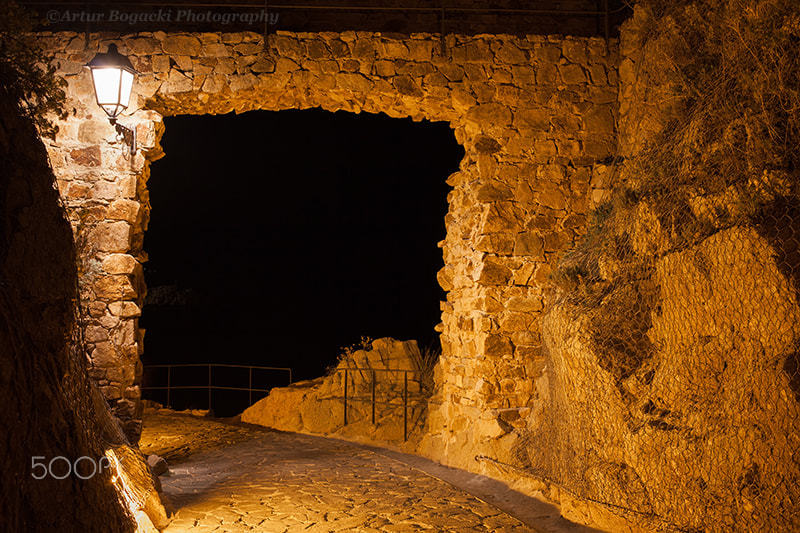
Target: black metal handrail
209, 385
372, 400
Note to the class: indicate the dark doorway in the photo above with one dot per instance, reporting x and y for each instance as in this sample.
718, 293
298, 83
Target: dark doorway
278, 237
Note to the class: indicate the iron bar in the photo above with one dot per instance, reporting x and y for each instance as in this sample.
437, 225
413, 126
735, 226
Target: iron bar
215, 387
345, 397
405, 406
209, 385
373, 397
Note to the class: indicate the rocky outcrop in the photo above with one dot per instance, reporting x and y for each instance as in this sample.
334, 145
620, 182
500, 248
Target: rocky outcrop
317, 406
702, 412
47, 416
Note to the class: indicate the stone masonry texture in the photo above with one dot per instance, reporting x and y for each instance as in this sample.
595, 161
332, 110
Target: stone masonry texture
534, 115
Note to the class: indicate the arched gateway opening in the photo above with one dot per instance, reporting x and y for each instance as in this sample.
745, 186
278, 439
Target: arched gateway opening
299, 233
533, 114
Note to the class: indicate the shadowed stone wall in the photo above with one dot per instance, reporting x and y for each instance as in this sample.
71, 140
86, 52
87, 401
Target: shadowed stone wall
534, 115
48, 417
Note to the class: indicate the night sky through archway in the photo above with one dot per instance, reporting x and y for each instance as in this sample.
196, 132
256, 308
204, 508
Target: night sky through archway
278, 237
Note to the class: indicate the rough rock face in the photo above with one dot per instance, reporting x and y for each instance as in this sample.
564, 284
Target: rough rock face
317, 406
708, 415
44, 388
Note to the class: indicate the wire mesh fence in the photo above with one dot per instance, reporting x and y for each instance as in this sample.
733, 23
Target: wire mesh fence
673, 374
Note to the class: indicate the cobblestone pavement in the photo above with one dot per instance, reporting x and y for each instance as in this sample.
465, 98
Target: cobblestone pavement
285, 482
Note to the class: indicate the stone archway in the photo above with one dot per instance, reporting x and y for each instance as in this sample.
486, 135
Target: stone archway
533, 114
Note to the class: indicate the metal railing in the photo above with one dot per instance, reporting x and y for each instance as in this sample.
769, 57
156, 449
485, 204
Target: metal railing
372, 400
209, 385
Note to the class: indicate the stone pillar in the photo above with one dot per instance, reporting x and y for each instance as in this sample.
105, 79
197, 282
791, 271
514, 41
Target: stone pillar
103, 189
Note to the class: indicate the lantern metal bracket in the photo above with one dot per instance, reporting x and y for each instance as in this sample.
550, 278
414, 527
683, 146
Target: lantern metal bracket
128, 134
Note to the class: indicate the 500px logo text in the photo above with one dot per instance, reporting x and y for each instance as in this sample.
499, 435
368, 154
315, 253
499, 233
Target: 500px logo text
60, 467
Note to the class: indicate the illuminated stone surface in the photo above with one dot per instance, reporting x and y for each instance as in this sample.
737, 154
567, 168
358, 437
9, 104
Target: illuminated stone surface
516, 104
285, 482
538, 118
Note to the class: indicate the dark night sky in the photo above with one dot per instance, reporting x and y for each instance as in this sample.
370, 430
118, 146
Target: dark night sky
295, 233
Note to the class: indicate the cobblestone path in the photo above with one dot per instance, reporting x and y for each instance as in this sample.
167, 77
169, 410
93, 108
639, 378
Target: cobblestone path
285, 483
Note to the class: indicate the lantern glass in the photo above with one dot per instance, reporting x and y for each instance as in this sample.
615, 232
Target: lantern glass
112, 86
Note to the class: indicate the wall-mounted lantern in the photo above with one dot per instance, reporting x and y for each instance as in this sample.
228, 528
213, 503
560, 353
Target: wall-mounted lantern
112, 76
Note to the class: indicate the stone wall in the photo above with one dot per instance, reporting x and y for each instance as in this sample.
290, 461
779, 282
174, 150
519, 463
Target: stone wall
534, 115
44, 389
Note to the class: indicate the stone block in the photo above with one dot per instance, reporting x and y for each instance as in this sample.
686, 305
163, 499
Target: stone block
241, 83
490, 114
76, 190
551, 196
112, 237
161, 63
213, 84
104, 355
556, 241
599, 121
597, 74
124, 209
529, 244
181, 45
492, 273
544, 150
177, 82
493, 191
452, 72
97, 309
87, 157
124, 309
546, 74
115, 288
510, 53
532, 119
420, 50
501, 217
104, 190
95, 334
216, 50
407, 86
393, 50
93, 131
566, 123
525, 304
547, 53
574, 51
496, 243
364, 49
445, 278
142, 46
516, 321
497, 346
125, 333
263, 65
119, 264
247, 49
